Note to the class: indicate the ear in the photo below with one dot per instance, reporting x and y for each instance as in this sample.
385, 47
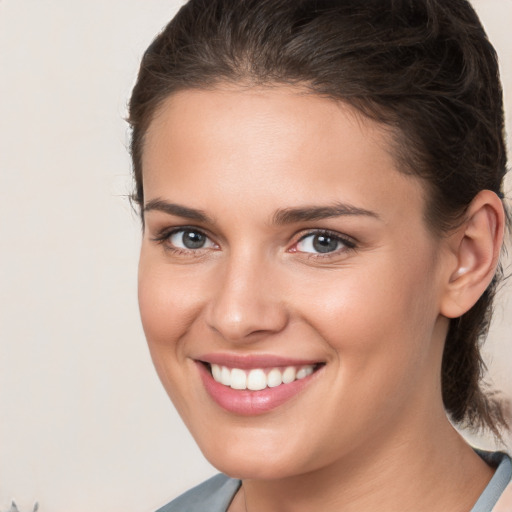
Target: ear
476, 245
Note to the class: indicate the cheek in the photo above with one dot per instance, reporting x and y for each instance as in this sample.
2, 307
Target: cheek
168, 306
168, 301
380, 319
380, 337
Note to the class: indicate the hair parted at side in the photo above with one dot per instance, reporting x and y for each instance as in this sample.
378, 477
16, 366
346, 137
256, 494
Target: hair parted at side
424, 68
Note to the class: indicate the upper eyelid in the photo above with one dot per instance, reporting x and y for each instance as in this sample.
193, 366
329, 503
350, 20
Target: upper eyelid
163, 236
165, 233
168, 231
334, 234
350, 244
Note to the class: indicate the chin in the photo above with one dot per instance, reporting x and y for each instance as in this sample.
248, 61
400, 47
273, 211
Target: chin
253, 460
243, 468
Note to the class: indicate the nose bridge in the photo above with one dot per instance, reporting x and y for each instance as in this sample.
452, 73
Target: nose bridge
247, 299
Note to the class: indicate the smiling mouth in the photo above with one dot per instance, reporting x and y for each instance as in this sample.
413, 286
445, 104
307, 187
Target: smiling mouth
257, 379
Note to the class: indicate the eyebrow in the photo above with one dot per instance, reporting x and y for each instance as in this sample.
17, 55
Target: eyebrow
178, 210
292, 215
282, 216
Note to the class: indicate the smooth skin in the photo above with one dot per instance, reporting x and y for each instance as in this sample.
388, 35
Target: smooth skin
369, 432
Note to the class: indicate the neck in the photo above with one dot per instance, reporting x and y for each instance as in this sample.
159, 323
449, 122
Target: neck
411, 469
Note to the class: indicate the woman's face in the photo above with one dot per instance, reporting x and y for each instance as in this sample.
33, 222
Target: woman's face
281, 242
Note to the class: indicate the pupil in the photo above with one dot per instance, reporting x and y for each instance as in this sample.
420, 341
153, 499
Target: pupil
323, 243
193, 240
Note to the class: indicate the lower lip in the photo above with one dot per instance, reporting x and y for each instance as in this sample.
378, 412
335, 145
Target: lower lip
250, 403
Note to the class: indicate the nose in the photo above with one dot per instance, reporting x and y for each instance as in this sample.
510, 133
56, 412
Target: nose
246, 304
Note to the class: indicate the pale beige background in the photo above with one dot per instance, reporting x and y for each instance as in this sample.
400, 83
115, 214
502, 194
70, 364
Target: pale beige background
84, 424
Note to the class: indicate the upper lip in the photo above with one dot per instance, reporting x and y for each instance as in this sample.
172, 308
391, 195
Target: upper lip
252, 361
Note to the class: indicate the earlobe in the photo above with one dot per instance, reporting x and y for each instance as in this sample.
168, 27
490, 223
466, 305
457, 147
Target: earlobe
477, 245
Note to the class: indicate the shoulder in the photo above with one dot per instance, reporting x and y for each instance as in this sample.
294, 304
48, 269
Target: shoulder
214, 495
496, 496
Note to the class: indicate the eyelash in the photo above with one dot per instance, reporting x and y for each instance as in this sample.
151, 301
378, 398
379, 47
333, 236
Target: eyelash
163, 238
349, 243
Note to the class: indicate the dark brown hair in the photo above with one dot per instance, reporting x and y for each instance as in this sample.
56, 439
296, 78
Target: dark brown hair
424, 68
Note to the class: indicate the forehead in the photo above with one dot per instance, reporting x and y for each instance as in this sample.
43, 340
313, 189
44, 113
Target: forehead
249, 115
282, 144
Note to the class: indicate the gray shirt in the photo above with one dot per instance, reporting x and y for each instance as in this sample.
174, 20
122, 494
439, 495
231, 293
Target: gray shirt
216, 494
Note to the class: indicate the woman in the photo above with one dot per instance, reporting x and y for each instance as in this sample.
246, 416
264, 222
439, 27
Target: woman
320, 190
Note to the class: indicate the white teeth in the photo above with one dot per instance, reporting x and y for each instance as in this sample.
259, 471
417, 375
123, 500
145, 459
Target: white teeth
289, 375
238, 379
258, 378
304, 372
216, 372
225, 376
274, 378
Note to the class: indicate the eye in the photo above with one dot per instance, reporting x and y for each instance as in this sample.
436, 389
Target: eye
189, 239
323, 243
